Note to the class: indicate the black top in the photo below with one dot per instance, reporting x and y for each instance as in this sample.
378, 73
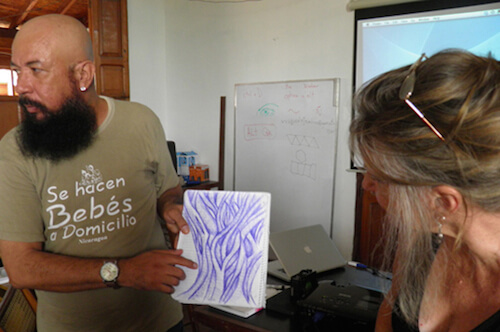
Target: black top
492, 324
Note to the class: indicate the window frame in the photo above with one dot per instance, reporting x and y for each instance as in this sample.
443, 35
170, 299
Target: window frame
14, 95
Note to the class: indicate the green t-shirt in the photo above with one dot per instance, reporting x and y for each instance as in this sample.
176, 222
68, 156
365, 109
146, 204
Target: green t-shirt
100, 203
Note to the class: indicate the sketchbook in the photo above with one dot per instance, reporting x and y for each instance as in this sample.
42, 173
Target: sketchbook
229, 241
246, 312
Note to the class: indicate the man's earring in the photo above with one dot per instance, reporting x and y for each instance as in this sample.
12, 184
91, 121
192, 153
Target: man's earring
83, 89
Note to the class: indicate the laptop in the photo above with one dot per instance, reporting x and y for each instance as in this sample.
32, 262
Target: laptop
301, 249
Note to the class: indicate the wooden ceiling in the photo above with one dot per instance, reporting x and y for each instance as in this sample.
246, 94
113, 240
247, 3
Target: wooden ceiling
14, 13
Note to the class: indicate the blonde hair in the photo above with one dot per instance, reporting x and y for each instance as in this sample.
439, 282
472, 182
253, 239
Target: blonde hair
459, 93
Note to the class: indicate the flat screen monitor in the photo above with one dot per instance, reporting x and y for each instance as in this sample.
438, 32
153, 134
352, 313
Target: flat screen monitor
393, 36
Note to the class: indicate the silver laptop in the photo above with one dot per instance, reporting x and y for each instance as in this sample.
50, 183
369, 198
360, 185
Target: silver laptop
303, 248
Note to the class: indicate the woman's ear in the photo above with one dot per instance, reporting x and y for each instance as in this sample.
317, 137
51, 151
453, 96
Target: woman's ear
449, 205
84, 74
446, 200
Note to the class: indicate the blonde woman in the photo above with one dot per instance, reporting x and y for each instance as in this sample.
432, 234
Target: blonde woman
429, 136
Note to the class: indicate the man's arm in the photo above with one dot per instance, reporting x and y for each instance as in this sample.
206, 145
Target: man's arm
30, 267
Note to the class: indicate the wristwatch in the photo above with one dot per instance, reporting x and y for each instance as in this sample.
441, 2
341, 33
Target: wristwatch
109, 273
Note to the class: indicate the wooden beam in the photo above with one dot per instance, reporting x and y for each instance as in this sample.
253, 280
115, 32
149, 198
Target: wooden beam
7, 33
23, 14
7, 8
67, 6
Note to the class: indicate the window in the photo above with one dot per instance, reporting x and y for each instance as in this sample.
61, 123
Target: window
8, 80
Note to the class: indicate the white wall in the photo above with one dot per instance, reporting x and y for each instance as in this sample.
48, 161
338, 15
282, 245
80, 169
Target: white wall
185, 54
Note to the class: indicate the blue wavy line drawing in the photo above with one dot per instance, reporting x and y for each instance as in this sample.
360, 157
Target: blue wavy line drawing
227, 230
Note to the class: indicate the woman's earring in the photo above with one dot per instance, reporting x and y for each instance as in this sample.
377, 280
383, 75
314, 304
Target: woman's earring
440, 229
83, 88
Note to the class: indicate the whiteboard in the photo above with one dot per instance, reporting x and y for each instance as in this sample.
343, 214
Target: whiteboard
285, 144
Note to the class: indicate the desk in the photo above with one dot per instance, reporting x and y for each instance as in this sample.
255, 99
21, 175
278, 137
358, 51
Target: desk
269, 321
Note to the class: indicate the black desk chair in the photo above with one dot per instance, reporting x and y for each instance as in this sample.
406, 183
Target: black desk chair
173, 153
18, 311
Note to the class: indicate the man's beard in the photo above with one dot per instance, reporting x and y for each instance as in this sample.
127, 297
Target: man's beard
62, 133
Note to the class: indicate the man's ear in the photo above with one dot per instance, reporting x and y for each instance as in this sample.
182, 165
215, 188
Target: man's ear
84, 74
446, 200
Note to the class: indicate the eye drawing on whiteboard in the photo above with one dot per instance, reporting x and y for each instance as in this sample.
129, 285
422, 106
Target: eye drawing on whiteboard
230, 233
268, 110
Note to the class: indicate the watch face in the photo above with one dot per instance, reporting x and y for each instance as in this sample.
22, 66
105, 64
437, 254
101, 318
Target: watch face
109, 271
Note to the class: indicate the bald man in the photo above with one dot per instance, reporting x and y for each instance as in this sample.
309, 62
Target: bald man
84, 183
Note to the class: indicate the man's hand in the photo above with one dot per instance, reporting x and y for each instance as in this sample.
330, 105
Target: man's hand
154, 270
170, 209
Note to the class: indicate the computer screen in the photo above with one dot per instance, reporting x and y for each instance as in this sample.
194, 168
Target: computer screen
393, 36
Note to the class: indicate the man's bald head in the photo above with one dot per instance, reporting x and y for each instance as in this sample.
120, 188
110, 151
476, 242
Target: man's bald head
57, 34
52, 55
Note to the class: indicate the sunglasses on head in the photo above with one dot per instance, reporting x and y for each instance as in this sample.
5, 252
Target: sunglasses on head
406, 91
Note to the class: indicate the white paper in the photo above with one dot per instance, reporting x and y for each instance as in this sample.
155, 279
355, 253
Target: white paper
229, 241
